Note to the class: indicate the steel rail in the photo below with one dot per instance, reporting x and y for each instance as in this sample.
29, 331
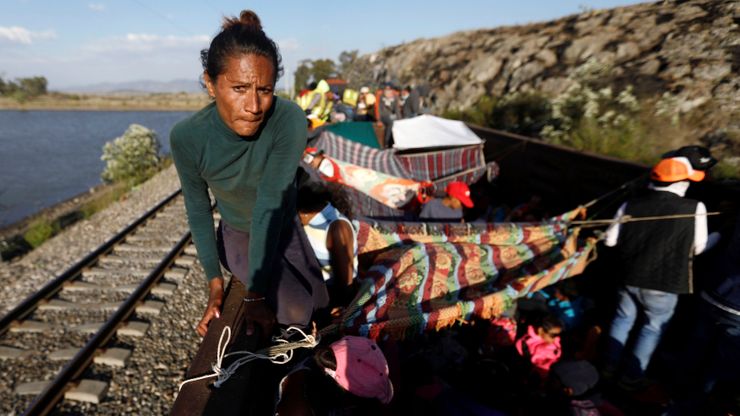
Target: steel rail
47, 400
51, 288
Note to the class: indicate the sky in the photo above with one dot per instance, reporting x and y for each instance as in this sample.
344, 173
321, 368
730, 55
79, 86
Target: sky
82, 42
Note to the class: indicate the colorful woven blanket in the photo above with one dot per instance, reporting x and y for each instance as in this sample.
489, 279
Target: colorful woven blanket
429, 276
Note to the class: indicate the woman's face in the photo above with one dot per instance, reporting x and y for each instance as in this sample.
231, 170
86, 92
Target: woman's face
244, 92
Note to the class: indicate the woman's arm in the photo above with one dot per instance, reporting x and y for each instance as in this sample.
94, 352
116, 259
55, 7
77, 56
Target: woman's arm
198, 207
200, 219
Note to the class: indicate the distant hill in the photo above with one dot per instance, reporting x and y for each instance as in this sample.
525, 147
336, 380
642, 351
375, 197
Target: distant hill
137, 87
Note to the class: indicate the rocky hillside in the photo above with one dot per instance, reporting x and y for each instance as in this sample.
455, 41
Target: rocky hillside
688, 48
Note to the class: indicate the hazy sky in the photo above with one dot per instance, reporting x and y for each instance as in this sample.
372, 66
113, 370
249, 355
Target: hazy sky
75, 42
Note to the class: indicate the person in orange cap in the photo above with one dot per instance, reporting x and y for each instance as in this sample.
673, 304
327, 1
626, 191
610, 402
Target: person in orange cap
655, 259
450, 207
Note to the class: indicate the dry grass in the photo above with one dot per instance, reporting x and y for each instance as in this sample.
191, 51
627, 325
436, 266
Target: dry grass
130, 102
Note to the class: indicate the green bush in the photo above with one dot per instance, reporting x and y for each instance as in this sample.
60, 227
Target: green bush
727, 169
522, 113
39, 231
477, 114
133, 157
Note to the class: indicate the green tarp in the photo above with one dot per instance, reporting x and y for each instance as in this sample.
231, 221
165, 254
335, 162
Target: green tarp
358, 131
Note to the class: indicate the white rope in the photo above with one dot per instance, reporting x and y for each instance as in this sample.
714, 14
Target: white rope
281, 354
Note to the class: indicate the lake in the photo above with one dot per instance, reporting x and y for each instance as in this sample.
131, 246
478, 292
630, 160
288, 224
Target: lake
50, 156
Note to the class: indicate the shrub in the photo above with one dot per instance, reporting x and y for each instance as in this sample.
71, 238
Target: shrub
590, 116
477, 114
39, 231
521, 113
728, 168
133, 157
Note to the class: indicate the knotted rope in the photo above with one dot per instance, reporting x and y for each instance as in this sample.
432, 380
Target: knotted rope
279, 353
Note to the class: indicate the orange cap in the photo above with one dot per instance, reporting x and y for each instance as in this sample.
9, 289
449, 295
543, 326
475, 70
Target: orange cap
675, 169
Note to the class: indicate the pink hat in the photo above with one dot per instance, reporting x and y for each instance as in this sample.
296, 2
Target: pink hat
361, 368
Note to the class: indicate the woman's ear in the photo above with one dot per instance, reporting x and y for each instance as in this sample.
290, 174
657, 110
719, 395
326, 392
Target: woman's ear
210, 85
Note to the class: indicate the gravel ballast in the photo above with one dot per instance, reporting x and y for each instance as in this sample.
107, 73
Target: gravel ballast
148, 383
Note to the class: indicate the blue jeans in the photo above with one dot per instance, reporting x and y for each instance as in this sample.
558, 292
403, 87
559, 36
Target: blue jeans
656, 308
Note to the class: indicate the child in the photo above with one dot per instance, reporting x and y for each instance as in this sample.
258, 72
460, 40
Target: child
540, 346
320, 384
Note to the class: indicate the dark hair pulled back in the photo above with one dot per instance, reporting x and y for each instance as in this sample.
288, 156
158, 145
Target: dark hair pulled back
240, 36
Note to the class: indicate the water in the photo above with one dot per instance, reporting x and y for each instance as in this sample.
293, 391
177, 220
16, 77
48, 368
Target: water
49, 156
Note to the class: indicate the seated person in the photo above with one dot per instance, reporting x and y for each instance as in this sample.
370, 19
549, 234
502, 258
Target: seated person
540, 346
323, 210
450, 207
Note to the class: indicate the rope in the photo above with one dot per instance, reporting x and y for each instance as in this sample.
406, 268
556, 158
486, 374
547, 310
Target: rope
620, 188
453, 175
628, 218
280, 353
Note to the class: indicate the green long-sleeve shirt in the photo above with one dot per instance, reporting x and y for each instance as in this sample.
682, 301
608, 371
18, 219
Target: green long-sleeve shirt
250, 178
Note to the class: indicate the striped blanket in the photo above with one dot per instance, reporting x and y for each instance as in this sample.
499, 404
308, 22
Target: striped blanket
440, 167
428, 276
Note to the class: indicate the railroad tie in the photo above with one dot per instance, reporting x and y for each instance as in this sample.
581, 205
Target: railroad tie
176, 274
31, 326
90, 391
12, 353
150, 307
112, 357
131, 328
63, 305
130, 248
185, 261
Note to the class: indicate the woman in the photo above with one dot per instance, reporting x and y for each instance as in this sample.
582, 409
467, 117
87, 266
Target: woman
244, 147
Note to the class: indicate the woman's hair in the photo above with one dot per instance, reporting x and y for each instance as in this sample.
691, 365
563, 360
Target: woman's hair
242, 36
313, 196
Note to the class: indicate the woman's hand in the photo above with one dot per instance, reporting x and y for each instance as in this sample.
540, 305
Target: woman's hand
258, 314
215, 300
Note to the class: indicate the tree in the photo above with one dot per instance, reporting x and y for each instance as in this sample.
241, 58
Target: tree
133, 157
33, 87
315, 71
346, 64
323, 69
302, 75
9, 88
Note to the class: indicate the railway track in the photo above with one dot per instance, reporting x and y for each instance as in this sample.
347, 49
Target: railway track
77, 332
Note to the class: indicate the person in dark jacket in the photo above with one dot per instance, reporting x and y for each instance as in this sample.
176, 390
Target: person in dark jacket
656, 263
388, 109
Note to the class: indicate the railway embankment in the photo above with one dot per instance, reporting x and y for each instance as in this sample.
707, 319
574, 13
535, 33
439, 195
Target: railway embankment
148, 382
